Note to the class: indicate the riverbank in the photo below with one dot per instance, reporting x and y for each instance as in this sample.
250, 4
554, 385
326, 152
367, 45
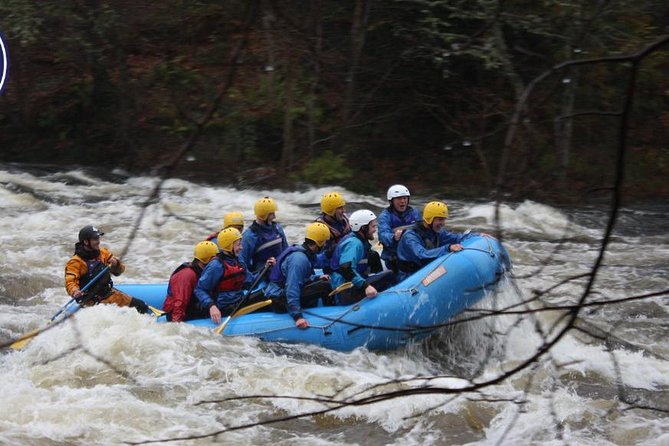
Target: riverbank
439, 182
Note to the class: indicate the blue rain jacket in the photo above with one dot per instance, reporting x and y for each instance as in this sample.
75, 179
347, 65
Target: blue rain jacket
389, 221
420, 245
298, 269
355, 250
253, 239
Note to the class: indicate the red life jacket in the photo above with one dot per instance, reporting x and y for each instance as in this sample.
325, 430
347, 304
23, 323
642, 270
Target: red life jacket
234, 275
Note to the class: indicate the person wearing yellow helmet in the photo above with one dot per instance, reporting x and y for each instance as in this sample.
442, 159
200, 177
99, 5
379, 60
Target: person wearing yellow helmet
230, 220
427, 239
265, 238
333, 215
88, 260
179, 304
393, 221
350, 261
221, 286
293, 284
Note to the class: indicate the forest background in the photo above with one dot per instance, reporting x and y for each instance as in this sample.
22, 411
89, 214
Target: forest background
356, 93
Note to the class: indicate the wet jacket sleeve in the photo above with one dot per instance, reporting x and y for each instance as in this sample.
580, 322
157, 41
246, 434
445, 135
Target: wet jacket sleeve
74, 269
249, 242
105, 256
284, 240
181, 287
451, 238
411, 249
298, 269
386, 235
322, 260
352, 251
251, 276
206, 285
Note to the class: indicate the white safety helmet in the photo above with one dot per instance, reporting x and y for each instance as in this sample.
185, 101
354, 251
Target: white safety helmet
360, 218
397, 190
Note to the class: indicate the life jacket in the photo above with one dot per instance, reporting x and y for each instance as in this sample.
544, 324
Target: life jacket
269, 243
401, 222
234, 274
361, 267
337, 233
276, 275
103, 287
429, 239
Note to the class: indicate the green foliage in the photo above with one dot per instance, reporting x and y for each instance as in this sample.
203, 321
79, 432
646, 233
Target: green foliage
431, 74
22, 21
327, 168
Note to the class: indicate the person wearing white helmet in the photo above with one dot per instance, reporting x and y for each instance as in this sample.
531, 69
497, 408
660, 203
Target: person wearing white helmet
427, 239
349, 261
393, 221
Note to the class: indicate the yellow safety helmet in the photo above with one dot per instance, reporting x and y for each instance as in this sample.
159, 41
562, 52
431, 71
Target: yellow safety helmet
205, 251
233, 219
330, 202
227, 237
434, 209
317, 233
264, 207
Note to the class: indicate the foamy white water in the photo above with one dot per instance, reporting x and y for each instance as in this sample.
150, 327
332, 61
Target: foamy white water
111, 375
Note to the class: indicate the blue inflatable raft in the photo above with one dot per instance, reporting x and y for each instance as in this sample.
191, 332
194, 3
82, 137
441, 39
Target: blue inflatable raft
407, 312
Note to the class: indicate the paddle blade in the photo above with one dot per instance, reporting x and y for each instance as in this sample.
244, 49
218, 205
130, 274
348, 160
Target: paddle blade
253, 307
156, 312
246, 310
25, 339
218, 330
340, 288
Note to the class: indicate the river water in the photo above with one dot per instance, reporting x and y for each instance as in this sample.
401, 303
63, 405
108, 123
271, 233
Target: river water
110, 375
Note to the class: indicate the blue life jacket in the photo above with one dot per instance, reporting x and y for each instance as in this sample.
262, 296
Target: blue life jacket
361, 267
430, 240
276, 275
268, 245
404, 221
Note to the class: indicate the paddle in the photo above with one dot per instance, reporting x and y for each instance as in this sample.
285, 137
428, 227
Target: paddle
26, 338
86, 287
251, 308
344, 286
219, 329
156, 312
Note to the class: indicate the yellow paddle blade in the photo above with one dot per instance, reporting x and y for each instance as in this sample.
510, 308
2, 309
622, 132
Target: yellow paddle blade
342, 287
25, 339
219, 329
253, 307
156, 312
246, 310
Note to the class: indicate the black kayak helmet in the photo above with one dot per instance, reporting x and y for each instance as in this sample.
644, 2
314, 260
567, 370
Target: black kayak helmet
89, 232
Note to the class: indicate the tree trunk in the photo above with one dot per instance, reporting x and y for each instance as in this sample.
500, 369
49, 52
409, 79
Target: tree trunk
287, 153
317, 27
564, 127
358, 32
